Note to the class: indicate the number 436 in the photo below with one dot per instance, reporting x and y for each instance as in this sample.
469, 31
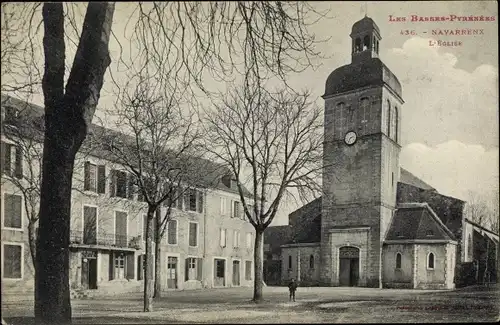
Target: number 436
408, 32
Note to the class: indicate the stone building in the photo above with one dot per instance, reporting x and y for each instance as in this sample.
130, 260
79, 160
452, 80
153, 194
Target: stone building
207, 243
376, 224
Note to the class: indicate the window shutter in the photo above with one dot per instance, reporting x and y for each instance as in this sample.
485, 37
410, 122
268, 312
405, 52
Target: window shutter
199, 265
186, 196
101, 179
186, 269
86, 181
6, 154
112, 183
130, 266
200, 201
2, 154
111, 265
140, 268
19, 163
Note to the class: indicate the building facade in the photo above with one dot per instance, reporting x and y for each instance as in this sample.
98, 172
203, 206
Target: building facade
376, 224
207, 243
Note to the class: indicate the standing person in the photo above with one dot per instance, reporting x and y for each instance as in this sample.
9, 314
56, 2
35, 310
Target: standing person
292, 287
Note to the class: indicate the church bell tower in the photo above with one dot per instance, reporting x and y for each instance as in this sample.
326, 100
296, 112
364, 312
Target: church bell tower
363, 103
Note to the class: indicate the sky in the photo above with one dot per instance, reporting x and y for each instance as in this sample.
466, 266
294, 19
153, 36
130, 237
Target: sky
449, 128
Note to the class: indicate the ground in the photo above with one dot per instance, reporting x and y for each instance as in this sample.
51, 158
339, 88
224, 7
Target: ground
313, 305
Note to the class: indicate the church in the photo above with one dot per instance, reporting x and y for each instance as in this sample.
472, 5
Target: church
376, 224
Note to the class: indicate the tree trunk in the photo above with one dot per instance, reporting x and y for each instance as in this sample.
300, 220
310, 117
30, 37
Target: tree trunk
52, 291
32, 241
148, 276
258, 267
68, 115
157, 238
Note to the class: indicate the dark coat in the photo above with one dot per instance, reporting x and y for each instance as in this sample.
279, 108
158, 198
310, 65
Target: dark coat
292, 286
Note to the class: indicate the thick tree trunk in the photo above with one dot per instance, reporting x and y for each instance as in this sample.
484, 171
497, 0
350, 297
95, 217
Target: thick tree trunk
32, 240
157, 238
68, 115
258, 267
52, 291
148, 276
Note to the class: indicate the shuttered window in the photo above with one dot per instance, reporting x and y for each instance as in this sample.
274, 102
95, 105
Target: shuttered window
90, 182
89, 225
12, 160
236, 239
222, 238
249, 240
172, 232
12, 261
101, 179
12, 217
193, 234
248, 270
121, 229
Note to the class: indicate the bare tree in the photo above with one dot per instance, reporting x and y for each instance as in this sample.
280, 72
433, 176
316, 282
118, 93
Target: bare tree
68, 115
482, 210
158, 148
254, 40
272, 142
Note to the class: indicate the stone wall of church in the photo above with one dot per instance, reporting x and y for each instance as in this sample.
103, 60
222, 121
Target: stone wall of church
301, 263
394, 277
437, 277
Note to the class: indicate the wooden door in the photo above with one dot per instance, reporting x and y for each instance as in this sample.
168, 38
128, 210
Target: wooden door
344, 272
172, 272
236, 273
92, 263
354, 272
219, 272
85, 273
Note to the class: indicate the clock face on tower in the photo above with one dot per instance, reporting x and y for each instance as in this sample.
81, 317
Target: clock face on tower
350, 138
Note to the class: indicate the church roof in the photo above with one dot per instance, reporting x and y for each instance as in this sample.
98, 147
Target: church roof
408, 178
363, 25
372, 72
417, 221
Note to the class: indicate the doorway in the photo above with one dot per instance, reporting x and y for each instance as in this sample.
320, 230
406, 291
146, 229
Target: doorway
89, 273
172, 272
236, 273
348, 266
219, 272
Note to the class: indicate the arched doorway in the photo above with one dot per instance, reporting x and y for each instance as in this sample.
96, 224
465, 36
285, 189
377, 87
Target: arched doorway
348, 266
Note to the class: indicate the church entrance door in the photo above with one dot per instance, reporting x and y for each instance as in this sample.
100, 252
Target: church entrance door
348, 266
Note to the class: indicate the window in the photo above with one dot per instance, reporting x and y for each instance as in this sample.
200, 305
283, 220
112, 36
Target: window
11, 113
236, 239
430, 261
249, 240
311, 262
90, 181
236, 210
194, 200
12, 160
119, 183
357, 45
193, 234
132, 186
12, 260
364, 105
172, 232
121, 229
398, 260
12, 213
341, 116
89, 225
248, 270
222, 239
394, 123
366, 43
388, 123
225, 208
289, 261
